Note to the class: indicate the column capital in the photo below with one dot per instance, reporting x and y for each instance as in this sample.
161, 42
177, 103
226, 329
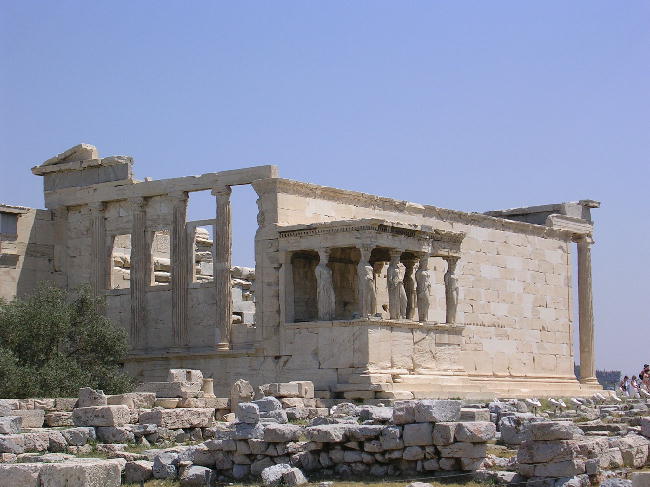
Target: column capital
97, 206
137, 202
584, 239
222, 191
324, 253
395, 253
177, 196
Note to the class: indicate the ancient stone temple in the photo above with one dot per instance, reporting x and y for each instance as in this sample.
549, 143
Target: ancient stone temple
368, 297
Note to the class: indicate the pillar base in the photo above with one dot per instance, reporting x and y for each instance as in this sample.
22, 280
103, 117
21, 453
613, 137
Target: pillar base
589, 381
223, 346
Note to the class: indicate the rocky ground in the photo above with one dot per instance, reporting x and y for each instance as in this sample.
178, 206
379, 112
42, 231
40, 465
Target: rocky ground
281, 435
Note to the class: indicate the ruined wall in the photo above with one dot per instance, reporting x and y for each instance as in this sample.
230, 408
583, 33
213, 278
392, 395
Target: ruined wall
514, 277
27, 254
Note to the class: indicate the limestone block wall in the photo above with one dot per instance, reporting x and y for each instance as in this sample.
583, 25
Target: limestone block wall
28, 255
514, 277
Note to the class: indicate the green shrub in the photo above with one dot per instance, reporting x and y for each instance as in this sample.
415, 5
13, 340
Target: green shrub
54, 342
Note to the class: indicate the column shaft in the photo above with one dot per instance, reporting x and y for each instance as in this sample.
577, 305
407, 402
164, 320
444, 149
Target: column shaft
222, 266
99, 255
139, 262
180, 268
586, 311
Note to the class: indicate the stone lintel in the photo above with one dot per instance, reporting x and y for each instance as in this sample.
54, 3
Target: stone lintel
577, 226
113, 191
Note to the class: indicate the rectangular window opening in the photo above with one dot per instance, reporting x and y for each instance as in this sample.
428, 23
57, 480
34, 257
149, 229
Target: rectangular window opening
121, 262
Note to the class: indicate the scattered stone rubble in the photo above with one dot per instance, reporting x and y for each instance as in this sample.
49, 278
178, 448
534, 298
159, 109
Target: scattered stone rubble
280, 433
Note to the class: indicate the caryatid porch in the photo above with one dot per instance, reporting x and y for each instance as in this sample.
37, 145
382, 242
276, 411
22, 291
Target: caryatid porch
365, 285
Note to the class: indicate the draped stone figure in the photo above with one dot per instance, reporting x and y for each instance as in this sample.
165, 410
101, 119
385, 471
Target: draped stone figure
451, 290
396, 291
367, 296
366, 283
410, 288
423, 280
324, 287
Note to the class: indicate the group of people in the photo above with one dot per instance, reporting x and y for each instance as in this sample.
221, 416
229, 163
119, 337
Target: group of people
631, 386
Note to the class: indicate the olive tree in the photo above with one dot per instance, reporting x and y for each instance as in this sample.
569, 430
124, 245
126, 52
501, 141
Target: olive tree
54, 342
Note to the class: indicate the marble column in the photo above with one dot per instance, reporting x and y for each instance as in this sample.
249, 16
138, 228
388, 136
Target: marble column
409, 287
586, 311
222, 266
98, 255
325, 297
140, 261
180, 268
451, 289
366, 283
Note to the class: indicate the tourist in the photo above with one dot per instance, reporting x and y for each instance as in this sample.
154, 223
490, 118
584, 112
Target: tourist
624, 386
644, 376
634, 388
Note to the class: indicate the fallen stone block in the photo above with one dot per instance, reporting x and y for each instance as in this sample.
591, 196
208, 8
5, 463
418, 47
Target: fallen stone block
328, 433
272, 475
79, 436
10, 424
170, 389
133, 400
634, 449
568, 468
463, 450
553, 430
20, 474
164, 465
641, 479
32, 418
294, 477
197, 476
281, 389
101, 416
547, 451
241, 391
475, 431
37, 441
65, 403
418, 434
12, 444
247, 412
444, 433
46, 404
431, 410
474, 414
513, 427
138, 471
59, 418
268, 404
88, 472
281, 433
178, 418
90, 397
115, 434
56, 442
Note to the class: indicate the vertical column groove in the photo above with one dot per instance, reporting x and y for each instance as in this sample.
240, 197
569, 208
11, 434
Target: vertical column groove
180, 269
99, 255
222, 266
139, 263
586, 311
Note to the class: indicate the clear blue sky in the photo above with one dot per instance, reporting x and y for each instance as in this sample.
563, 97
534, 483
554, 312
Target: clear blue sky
466, 105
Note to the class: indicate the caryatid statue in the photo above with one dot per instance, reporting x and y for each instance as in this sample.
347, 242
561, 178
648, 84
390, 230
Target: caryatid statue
451, 289
396, 292
423, 280
366, 282
324, 287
